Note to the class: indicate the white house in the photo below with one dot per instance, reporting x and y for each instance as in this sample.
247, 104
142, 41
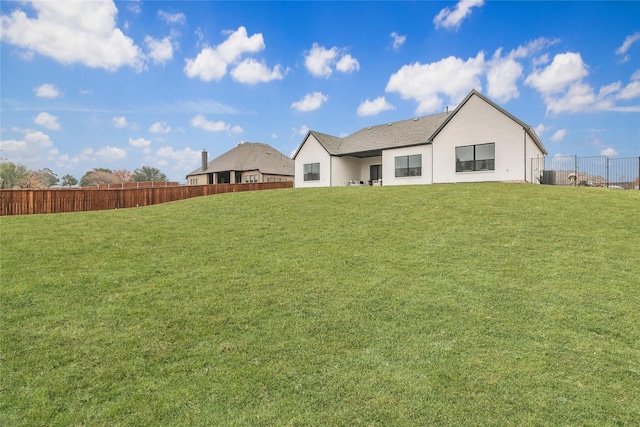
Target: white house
478, 141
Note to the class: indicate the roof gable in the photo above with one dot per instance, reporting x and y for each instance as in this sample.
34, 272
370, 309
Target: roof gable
474, 92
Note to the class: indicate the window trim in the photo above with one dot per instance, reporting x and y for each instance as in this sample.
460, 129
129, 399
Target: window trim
311, 175
406, 172
476, 163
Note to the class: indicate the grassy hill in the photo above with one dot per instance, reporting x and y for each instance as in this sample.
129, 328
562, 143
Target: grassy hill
481, 304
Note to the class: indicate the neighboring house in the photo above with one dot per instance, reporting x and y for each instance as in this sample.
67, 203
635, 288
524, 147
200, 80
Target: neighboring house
478, 141
246, 162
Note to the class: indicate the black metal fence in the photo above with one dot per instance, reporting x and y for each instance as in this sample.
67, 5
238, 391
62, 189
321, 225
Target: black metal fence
595, 171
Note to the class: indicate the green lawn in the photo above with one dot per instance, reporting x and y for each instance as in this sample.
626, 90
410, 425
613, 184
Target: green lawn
481, 304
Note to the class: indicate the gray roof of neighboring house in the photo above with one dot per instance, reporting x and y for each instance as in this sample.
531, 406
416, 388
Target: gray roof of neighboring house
420, 130
248, 156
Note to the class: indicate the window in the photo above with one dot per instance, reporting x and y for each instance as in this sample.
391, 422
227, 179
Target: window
193, 181
409, 165
472, 158
312, 172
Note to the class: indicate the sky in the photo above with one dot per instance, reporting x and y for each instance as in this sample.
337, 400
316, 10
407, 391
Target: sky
121, 85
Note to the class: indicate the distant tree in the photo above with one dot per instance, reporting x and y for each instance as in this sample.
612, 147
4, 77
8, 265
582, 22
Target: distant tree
43, 178
13, 176
124, 175
99, 176
68, 181
147, 173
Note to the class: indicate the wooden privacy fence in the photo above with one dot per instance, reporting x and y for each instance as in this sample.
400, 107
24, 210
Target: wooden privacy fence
58, 200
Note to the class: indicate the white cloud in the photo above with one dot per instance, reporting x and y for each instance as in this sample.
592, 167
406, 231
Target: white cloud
251, 71
581, 97
120, 121
310, 102
559, 135
577, 98
139, 142
47, 90
73, 32
609, 152
426, 83
563, 89
211, 63
35, 149
502, 77
541, 60
48, 121
398, 40
626, 45
110, 154
451, 19
172, 18
541, 128
160, 127
533, 47
33, 142
320, 61
304, 129
565, 69
134, 6
160, 51
504, 72
184, 160
347, 64
201, 122
371, 108
630, 91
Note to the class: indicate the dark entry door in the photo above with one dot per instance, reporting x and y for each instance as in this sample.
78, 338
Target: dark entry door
375, 172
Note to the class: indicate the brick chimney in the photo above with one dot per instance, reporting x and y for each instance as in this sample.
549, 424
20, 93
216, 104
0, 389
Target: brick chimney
205, 160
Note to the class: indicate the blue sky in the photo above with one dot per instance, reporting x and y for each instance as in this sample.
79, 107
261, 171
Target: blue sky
152, 83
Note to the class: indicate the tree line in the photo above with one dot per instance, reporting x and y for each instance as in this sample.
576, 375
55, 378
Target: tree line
18, 176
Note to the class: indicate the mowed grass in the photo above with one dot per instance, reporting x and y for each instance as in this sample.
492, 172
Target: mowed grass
480, 304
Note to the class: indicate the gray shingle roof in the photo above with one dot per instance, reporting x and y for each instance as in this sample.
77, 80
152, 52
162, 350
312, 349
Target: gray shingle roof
249, 156
329, 142
391, 135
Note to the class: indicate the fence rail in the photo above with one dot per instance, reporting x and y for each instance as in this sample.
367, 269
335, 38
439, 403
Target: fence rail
595, 171
58, 200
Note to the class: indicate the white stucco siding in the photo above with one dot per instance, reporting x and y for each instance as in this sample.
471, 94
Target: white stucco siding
389, 165
344, 169
365, 167
478, 122
312, 152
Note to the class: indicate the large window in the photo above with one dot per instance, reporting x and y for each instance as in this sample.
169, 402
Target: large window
472, 158
312, 172
409, 165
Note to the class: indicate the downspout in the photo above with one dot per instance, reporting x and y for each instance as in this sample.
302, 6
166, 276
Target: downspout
525, 153
330, 170
432, 154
